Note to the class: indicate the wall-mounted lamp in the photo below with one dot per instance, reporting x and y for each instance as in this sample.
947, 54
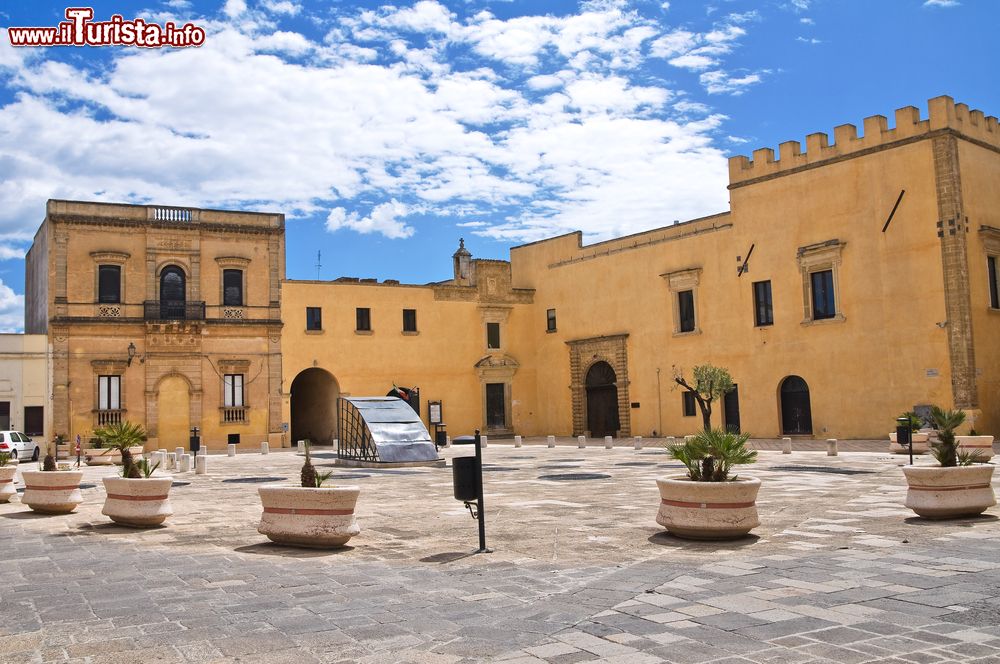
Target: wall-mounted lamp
943, 324
131, 353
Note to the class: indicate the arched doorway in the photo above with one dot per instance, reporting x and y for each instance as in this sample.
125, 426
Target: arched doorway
314, 406
796, 414
173, 294
602, 400
173, 401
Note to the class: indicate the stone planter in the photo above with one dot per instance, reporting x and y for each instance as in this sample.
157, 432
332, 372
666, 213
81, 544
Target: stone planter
102, 456
52, 492
300, 516
708, 510
981, 444
941, 493
921, 444
139, 503
7, 490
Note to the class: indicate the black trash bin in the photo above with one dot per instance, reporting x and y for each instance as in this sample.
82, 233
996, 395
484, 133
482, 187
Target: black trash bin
441, 436
195, 444
234, 439
465, 476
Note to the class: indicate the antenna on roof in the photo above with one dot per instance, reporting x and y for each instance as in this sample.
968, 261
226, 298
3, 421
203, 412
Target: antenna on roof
319, 263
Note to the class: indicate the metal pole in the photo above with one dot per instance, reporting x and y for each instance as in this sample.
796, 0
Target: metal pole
481, 508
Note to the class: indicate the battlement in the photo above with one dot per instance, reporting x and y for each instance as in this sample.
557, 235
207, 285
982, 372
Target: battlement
943, 113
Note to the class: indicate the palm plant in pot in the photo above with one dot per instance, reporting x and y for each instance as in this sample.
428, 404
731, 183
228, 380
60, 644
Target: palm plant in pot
137, 498
8, 467
310, 515
49, 490
918, 439
960, 485
708, 502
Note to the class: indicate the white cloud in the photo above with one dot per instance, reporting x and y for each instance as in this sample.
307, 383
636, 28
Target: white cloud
378, 122
718, 82
691, 107
809, 40
11, 310
805, 20
694, 62
801, 5
8, 252
942, 3
234, 8
384, 219
282, 7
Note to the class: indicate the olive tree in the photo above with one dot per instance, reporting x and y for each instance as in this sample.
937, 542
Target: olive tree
710, 383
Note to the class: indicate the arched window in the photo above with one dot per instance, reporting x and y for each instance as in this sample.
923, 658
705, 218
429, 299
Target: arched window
796, 412
173, 294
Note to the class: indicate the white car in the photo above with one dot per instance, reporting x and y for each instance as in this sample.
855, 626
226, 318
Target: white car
18, 446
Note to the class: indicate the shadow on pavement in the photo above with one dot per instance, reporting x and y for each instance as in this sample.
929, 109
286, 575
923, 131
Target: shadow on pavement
664, 538
272, 549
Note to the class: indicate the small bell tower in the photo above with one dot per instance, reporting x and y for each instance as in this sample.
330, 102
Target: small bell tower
463, 264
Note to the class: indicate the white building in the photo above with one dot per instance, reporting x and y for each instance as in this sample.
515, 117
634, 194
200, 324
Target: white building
24, 384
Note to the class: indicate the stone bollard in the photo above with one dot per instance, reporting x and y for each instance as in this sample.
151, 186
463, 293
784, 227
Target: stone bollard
581, 442
609, 442
671, 441
831, 447
231, 449
447, 441
184, 465
483, 440
179, 451
518, 441
159, 459
203, 451
301, 444
786, 445
551, 440
201, 465
638, 442
264, 447
171, 460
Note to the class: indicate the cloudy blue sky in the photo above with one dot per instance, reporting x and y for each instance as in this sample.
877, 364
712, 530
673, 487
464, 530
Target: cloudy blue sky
385, 132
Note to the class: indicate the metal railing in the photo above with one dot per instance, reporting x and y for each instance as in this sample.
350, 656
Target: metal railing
173, 310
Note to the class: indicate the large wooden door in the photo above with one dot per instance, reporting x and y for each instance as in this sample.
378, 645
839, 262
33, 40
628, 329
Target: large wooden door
602, 400
496, 411
731, 409
173, 403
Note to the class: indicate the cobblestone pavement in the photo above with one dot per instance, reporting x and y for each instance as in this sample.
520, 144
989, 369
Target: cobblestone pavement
838, 571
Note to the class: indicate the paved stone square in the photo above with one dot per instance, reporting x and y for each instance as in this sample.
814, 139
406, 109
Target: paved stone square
838, 571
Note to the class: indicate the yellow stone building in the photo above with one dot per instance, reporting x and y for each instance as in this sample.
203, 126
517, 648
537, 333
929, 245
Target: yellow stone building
849, 282
167, 317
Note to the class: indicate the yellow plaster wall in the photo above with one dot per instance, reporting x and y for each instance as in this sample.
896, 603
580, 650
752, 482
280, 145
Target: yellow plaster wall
439, 359
981, 198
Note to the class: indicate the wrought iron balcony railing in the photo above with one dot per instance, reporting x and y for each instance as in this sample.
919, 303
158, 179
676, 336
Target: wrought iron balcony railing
174, 310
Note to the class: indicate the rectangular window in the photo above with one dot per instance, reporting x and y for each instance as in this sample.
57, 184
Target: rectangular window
232, 385
109, 284
493, 335
364, 315
409, 320
314, 318
763, 311
4, 416
685, 307
822, 295
991, 266
109, 392
689, 404
232, 288
550, 320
